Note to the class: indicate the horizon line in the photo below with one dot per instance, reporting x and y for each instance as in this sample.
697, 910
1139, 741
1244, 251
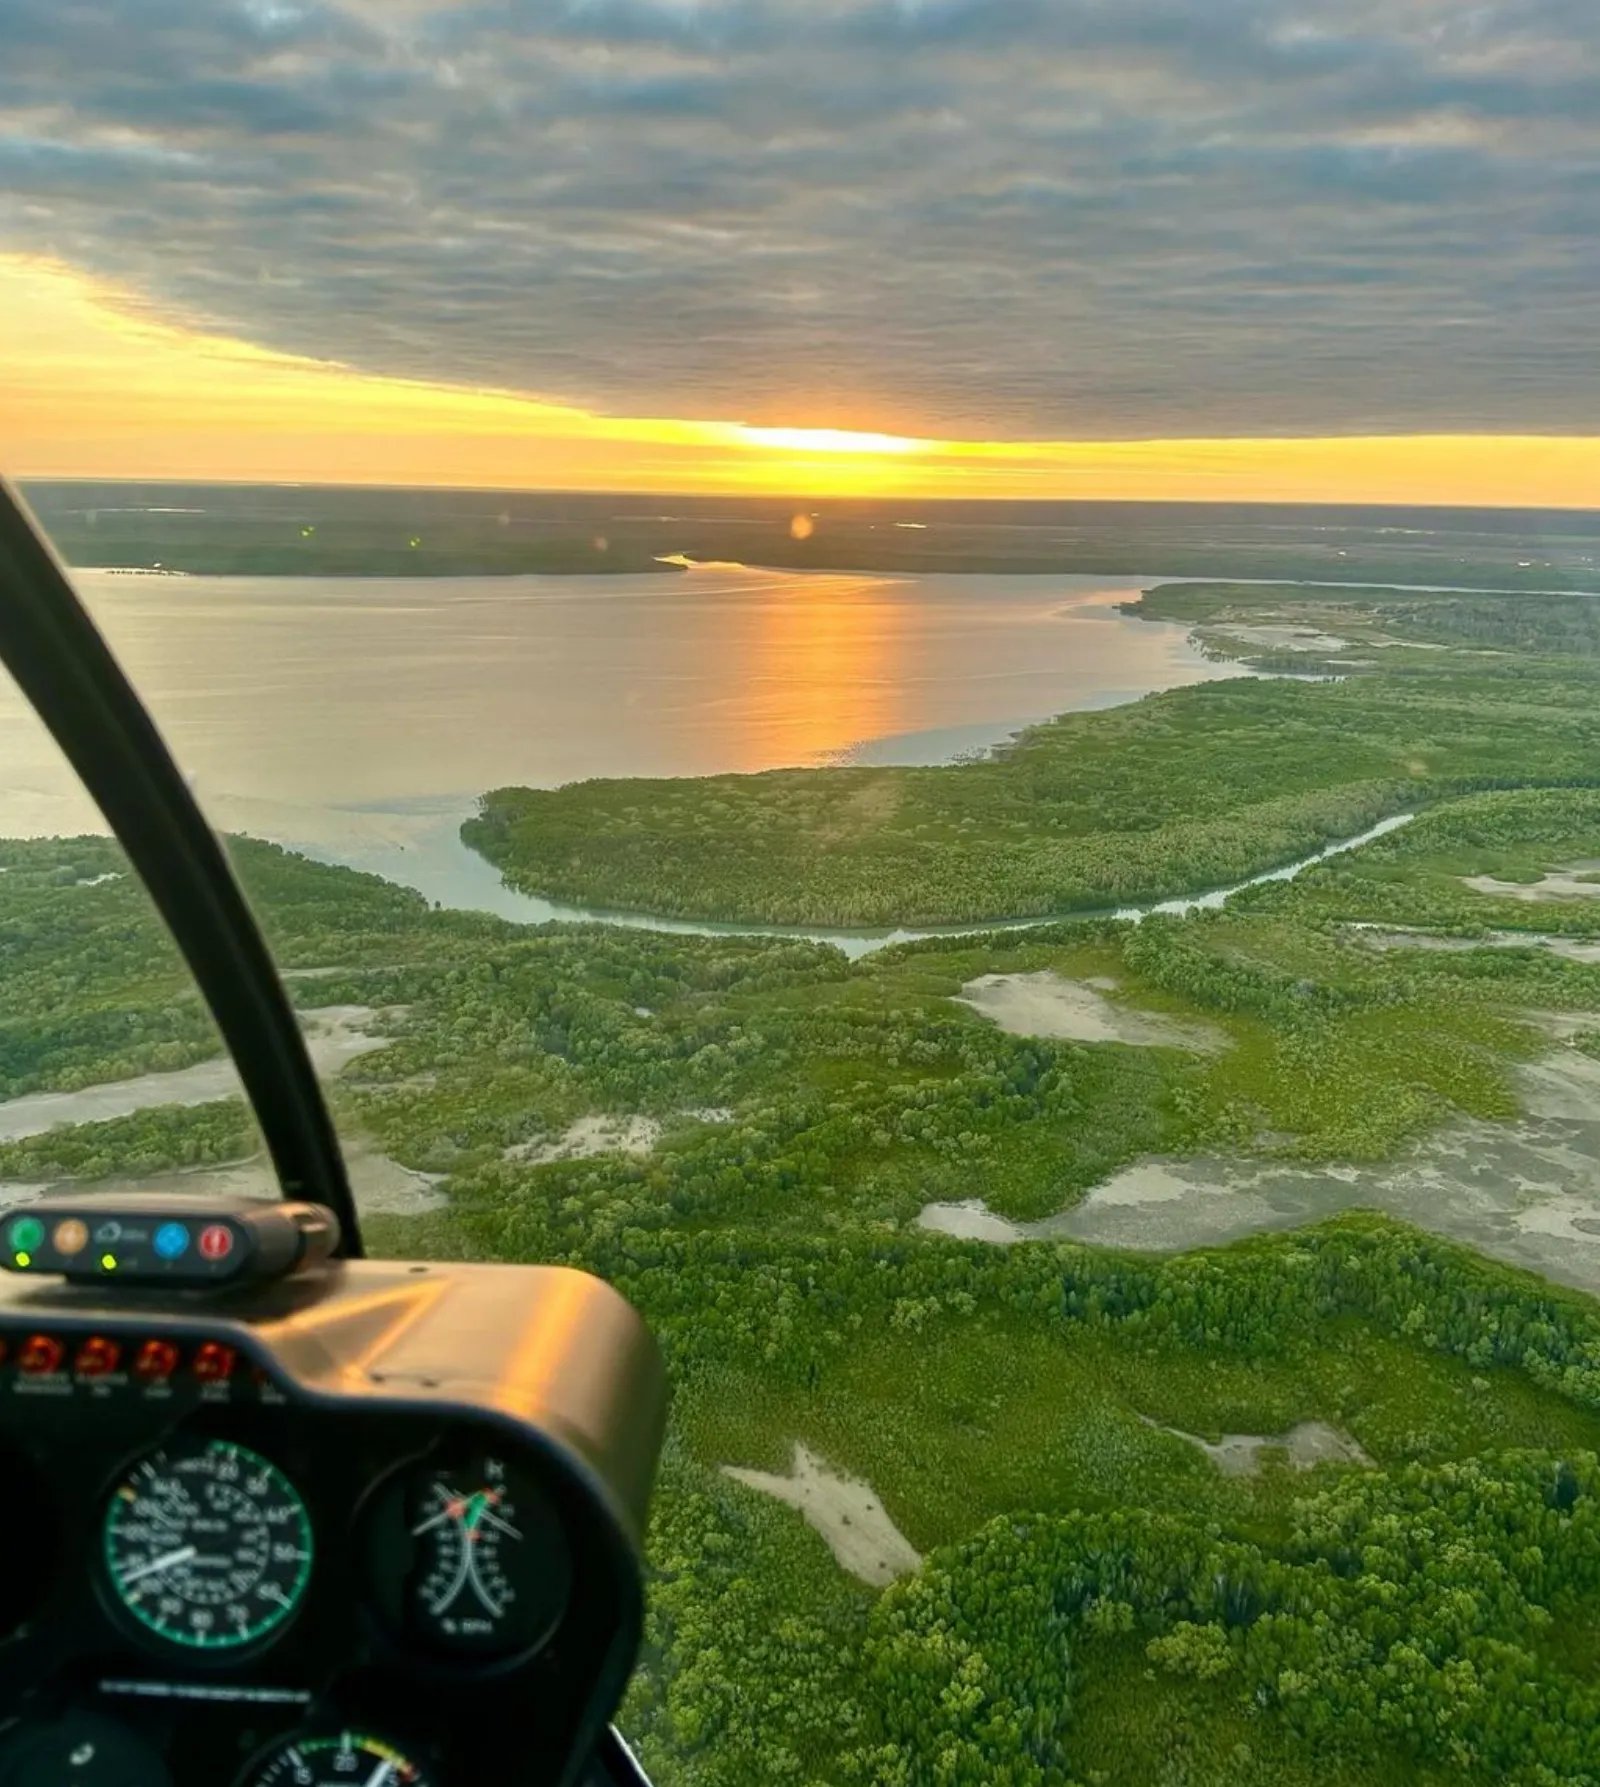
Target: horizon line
23, 479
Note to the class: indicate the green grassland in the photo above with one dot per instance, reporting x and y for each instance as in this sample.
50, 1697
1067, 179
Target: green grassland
1098, 1603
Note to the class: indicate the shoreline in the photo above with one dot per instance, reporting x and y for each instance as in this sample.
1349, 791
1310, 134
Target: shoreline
679, 563
529, 909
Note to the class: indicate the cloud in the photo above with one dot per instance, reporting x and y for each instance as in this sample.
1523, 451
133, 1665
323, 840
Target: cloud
1036, 218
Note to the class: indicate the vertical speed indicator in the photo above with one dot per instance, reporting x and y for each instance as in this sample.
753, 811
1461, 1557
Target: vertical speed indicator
207, 1545
466, 1556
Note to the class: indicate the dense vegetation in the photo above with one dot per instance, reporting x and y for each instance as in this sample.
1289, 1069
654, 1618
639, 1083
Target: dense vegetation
94, 989
1189, 789
304, 528
1097, 1602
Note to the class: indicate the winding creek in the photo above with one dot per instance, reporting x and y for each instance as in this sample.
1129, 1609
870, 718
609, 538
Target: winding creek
338, 1034
1526, 1192
528, 909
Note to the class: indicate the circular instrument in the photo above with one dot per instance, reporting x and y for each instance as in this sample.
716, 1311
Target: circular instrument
79, 1750
336, 1759
207, 1545
468, 1557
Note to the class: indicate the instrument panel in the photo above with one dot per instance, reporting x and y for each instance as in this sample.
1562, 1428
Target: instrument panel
221, 1577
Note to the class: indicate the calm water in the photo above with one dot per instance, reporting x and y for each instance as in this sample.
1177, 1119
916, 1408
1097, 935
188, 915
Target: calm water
359, 719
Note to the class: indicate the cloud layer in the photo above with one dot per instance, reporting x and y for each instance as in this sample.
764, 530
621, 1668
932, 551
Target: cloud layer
979, 218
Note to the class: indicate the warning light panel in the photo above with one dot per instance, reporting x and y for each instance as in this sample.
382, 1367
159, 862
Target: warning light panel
182, 1243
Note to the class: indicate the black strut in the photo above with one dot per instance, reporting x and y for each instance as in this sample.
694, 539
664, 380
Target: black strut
64, 667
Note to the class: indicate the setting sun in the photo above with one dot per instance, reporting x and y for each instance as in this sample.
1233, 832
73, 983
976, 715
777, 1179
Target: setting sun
94, 383
831, 440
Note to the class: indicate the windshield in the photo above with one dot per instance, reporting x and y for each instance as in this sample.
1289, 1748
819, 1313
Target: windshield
919, 680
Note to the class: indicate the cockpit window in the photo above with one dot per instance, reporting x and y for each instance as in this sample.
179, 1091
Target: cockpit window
919, 680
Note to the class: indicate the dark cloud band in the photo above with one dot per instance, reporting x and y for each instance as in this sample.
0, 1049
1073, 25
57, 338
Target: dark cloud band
973, 217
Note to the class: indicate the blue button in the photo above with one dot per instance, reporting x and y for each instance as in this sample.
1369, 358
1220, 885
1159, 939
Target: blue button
172, 1240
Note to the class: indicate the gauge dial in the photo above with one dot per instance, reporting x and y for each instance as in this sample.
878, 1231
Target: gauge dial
339, 1759
207, 1545
469, 1557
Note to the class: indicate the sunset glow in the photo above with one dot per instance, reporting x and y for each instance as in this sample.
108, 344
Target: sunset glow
93, 384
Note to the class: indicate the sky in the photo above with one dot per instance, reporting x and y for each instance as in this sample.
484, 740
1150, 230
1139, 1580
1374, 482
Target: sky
1230, 248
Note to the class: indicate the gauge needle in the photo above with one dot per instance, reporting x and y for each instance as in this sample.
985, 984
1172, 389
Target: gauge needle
451, 1509
168, 1561
383, 1772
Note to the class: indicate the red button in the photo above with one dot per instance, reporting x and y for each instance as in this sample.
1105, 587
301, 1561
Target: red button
214, 1361
40, 1355
157, 1359
216, 1241
96, 1357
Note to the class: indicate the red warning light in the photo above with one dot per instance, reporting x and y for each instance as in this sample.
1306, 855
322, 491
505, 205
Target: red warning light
216, 1241
157, 1359
40, 1355
96, 1357
214, 1361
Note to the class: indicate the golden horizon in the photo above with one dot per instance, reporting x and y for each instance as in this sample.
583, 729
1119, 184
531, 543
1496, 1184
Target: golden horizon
95, 387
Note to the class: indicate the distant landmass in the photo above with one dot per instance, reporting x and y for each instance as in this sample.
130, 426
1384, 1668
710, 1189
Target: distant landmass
299, 530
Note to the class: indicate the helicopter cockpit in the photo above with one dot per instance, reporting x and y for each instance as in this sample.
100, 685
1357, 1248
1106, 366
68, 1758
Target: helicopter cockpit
276, 1514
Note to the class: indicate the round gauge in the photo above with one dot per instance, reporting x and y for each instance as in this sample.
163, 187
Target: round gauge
468, 1557
207, 1545
337, 1759
80, 1750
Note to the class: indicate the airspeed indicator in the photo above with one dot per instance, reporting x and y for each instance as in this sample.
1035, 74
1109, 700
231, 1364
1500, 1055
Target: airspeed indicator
207, 1545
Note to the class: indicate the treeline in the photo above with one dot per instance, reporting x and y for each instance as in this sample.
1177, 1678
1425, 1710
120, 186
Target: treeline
1417, 876
1001, 871
730, 1294
1177, 793
1528, 622
164, 1138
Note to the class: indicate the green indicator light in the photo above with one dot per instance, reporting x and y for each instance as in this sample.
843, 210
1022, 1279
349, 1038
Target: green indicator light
24, 1259
108, 1262
26, 1233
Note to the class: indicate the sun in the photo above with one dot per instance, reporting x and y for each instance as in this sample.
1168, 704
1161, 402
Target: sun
828, 440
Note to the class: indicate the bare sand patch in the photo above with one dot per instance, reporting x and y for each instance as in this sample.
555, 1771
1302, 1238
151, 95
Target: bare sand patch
1564, 1026
335, 1036
1577, 881
379, 1183
1046, 1004
1307, 1445
1286, 639
970, 1220
1565, 1085
588, 1137
1385, 938
846, 1512
1526, 1193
